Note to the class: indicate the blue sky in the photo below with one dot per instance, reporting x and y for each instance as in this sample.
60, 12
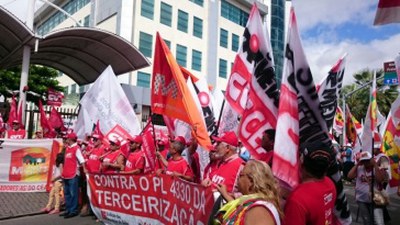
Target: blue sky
329, 29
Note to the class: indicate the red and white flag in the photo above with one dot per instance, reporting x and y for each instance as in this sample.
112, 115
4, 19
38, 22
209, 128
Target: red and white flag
54, 98
338, 122
329, 91
149, 147
252, 89
388, 12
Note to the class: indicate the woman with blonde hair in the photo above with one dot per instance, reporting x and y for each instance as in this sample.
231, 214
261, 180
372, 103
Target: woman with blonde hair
259, 205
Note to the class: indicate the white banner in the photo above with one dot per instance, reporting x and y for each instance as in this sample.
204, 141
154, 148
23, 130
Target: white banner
106, 101
24, 165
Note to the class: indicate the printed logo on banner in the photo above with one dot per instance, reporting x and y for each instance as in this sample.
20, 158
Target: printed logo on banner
29, 164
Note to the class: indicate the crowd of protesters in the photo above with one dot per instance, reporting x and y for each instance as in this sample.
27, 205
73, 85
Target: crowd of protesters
245, 188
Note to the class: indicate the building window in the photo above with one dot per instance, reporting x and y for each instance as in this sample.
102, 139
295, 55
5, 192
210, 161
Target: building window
197, 27
73, 89
86, 21
145, 44
233, 13
168, 43
196, 60
223, 38
182, 21
166, 14
81, 89
235, 42
143, 79
198, 2
223, 68
147, 9
181, 52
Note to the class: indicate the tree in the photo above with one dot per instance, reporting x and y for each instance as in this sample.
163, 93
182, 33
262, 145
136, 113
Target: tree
359, 101
40, 79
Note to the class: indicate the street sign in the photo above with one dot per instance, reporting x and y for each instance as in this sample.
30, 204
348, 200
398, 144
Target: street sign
390, 75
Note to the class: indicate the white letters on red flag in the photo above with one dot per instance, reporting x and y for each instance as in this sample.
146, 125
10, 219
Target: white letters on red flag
329, 91
252, 89
119, 133
388, 12
54, 98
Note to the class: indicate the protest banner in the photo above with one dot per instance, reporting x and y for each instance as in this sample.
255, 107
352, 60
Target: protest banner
25, 164
126, 199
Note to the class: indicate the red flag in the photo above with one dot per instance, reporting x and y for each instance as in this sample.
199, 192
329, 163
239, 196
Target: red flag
54, 97
170, 95
56, 120
149, 148
48, 131
252, 89
388, 12
13, 115
97, 129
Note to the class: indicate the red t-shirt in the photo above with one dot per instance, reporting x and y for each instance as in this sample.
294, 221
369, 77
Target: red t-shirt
311, 203
93, 163
180, 166
228, 172
70, 162
112, 158
16, 134
267, 157
136, 160
210, 170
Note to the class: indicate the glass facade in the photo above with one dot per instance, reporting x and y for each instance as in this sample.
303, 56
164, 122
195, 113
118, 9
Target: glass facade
233, 13
71, 7
223, 38
143, 79
197, 27
277, 35
223, 68
196, 60
181, 52
147, 9
183, 21
145, 44
166, 14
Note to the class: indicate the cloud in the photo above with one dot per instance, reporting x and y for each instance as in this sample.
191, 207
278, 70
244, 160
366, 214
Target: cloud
322, 23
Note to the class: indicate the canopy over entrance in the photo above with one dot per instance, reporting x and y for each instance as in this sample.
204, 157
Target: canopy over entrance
82, 53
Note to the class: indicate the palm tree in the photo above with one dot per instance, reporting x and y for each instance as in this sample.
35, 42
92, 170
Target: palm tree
359, 101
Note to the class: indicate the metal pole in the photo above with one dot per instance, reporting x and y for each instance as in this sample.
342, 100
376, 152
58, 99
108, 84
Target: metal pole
26, 60
344, 120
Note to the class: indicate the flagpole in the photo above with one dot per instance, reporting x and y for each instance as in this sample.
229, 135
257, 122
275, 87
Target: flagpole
219, 117
372, 183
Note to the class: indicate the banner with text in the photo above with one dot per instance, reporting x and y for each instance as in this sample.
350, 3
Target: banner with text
24, 165
126, 199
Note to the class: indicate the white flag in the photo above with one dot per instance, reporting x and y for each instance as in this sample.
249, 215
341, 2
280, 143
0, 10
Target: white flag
84, 124
106, 101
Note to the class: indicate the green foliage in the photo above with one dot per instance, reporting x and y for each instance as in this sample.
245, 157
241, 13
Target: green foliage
359, 101
40, 79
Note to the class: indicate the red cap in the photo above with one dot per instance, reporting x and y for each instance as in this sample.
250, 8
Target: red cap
97, 136
71, 135
180, 139
229, 137
162, 142
115, 141
15, 121
137, 138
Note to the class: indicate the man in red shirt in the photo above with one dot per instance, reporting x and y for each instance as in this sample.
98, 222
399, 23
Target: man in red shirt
70, 175
313, 201
136, 161
230, 165
114, 159
93, 162
267, 142
16, 132
177, 166
212, 166
194, 160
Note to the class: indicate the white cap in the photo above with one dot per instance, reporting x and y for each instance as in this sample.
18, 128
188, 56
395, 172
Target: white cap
365, 156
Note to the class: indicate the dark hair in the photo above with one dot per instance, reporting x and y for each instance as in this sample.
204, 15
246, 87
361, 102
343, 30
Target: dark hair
317, 158
270, 133
59, 159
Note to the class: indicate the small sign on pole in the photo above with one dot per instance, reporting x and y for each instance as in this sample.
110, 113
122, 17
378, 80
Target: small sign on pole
390, 75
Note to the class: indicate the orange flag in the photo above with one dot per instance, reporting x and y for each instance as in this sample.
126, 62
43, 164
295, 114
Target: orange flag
170, 94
